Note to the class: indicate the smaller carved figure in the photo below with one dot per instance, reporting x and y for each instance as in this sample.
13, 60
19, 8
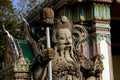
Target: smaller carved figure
97, 64
96, 68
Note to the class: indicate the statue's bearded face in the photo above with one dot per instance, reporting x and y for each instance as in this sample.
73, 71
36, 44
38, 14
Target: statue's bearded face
64, 39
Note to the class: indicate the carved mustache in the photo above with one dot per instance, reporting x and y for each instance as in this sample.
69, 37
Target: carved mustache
67, 43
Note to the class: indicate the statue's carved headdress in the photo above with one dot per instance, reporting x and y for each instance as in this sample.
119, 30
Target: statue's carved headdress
79, 32
64, 23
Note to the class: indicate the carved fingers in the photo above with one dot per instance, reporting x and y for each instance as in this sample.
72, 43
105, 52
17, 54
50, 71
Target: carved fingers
51, 53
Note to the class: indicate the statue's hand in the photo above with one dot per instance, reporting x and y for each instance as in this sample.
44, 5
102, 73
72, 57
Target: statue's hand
51, 53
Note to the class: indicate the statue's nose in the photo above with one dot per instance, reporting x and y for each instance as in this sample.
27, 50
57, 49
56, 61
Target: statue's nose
68, 41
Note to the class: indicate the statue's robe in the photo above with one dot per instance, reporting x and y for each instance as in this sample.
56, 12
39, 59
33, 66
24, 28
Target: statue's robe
62, 67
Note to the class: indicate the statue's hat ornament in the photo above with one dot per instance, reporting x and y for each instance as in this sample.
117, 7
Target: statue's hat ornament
64, 23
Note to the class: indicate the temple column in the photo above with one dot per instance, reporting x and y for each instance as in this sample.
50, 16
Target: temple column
100, 37
101, 44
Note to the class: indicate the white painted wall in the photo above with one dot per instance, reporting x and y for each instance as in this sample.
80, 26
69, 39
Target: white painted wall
104, 51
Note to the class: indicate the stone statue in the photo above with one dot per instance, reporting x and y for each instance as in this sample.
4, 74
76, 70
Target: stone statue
67, 61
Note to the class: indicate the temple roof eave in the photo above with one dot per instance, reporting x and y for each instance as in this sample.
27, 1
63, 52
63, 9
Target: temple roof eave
56, 5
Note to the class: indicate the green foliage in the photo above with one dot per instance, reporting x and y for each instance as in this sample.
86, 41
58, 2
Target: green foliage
7, 18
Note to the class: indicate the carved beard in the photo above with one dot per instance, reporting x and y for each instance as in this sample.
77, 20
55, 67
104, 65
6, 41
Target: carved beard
65, 51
